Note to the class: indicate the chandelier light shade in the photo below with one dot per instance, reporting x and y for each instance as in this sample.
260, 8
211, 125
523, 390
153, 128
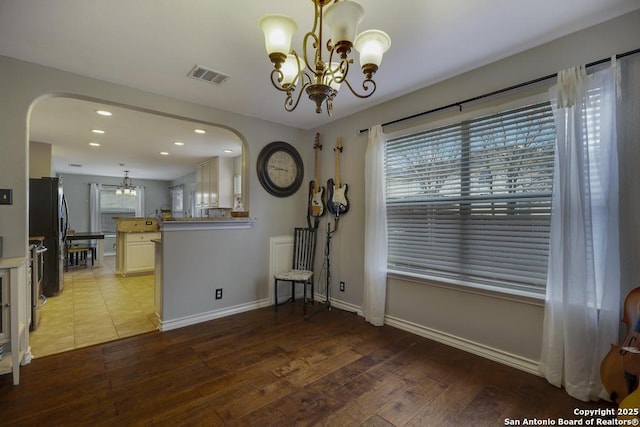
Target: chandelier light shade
371, 44
290, 70
126, 187
343, 19
278, 30
323, 66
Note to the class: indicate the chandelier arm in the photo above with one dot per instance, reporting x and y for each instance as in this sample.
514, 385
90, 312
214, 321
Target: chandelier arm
344, 69
316, 38
367, 85
340, 73
276, 79
317, 15
291, 101
305, 42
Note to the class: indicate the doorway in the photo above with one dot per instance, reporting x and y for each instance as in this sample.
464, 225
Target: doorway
161, 151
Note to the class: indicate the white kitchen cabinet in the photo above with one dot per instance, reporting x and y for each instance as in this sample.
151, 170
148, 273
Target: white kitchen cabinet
137, 252
4, 307
203, 190
140, 252
15, 308
214, 183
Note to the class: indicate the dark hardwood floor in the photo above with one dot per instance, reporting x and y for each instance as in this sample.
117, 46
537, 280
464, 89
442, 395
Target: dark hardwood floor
274, 368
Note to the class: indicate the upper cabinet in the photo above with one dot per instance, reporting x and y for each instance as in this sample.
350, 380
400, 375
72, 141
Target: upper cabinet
214, 183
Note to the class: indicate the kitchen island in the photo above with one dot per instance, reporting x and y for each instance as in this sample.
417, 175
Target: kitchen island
135, 251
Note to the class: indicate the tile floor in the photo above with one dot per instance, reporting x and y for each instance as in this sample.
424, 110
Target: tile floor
95, 306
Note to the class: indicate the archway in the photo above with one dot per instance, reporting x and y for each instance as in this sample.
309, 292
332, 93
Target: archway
141, 141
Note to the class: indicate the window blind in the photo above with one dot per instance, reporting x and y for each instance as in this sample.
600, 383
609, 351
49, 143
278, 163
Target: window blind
471, 201
113, 206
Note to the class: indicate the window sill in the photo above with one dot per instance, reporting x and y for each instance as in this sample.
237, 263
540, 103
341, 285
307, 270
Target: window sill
522, 296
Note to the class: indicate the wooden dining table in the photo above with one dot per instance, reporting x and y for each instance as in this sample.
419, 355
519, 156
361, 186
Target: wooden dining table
91, 235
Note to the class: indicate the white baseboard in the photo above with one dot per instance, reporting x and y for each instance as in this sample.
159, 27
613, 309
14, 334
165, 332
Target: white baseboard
342, 305
497, 355
167, 325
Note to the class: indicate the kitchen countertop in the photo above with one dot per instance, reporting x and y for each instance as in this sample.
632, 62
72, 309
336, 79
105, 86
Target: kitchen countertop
177, 224
137, 224
12, 262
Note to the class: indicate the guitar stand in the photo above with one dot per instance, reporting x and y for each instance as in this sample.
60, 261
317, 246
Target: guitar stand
327, 260
316, 221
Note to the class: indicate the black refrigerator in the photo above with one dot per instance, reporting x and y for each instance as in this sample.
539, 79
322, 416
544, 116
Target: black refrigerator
48, 218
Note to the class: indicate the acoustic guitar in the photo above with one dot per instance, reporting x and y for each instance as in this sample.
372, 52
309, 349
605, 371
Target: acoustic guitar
620, 367
337, 202
316, 192
628, 409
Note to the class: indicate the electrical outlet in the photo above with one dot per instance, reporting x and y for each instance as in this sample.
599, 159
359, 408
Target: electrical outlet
6, 196
341, 286
219, 293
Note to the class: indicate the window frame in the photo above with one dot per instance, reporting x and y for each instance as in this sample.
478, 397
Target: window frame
112, 188
493, 106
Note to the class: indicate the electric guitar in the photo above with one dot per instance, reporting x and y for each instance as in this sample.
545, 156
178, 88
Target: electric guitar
337, 202
316, 192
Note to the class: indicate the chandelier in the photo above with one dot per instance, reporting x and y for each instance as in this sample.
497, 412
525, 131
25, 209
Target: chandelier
321, 78
126, 187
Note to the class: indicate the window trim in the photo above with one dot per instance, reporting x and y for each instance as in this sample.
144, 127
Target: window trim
511, 294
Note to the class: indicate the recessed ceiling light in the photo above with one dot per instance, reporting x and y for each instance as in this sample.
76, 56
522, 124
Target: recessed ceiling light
97, 131
94, 144
228, 151
178, 143
200, 131
164, 153
104, 112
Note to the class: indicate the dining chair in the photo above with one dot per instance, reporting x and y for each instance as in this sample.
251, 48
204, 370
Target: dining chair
304, 250
77, 252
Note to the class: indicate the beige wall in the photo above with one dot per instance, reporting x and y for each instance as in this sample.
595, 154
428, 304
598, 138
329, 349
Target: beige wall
509, 326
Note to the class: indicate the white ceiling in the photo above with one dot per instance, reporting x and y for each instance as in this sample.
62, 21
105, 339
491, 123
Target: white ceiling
153, 44
133, 140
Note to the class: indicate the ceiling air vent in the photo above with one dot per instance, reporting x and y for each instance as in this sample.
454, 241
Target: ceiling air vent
208, 75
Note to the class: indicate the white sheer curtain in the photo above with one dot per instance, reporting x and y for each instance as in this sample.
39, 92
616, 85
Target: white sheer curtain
583, 285
140, 201
375, 230
95, 224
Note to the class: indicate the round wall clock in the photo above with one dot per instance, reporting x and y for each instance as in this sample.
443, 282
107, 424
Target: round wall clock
280, 169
